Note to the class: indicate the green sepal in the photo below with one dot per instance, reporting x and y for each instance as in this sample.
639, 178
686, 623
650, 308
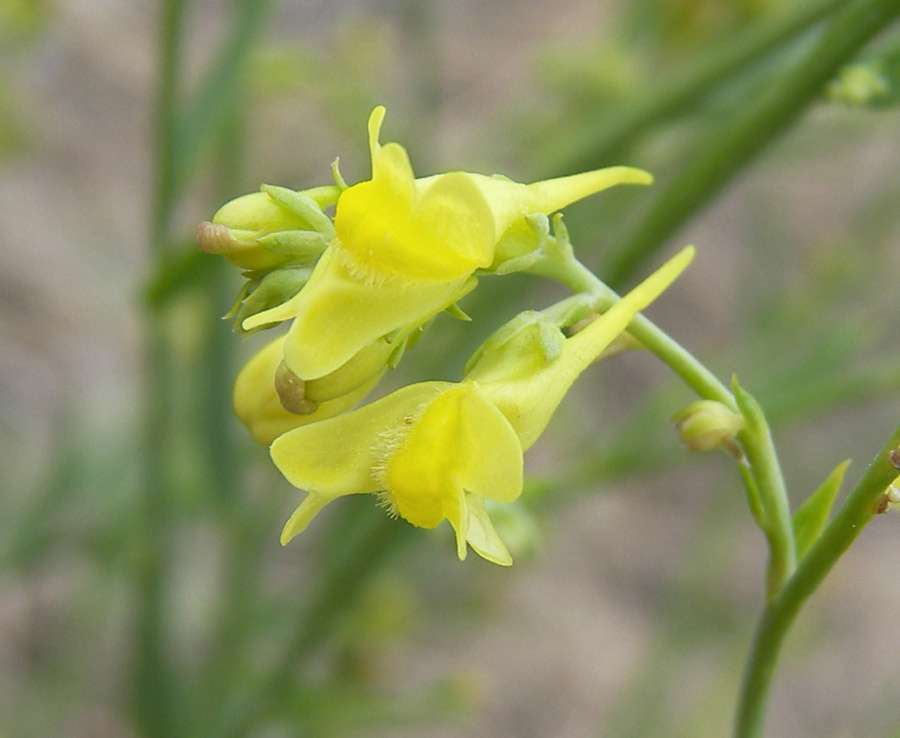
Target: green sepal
266, 292
303, 206
300, 245
810, 518
522, 247
250, 284
397, 354
338, 178
528, 330
550, 254
455, 311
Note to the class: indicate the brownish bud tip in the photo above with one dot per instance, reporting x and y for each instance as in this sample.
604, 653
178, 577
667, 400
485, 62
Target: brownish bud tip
214, 238
292, 392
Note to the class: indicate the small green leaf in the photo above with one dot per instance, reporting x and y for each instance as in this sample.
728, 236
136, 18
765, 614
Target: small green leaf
810, 518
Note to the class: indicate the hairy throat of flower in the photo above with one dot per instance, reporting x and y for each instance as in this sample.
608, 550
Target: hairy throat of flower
420, 477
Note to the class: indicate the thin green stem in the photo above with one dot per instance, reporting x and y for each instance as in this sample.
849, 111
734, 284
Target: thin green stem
579, 278
165, 187
720, 157
208, 112
858, 509
766, 491
756, 441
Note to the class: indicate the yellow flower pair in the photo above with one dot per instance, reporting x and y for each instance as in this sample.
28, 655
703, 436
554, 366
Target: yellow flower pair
438, 450
402, 250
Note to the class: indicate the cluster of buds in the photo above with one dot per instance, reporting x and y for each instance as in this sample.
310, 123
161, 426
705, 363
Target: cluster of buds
356, 291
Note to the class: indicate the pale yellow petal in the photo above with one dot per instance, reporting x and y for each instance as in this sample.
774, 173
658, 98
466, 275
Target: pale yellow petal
338, 313
460, 444
341, 455
482, 536
445, 233
302, 516
510, 201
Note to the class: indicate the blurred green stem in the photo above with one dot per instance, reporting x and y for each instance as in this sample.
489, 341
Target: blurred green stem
153, 691
858, 509
181, 133
604, 135
366, 542
720, 156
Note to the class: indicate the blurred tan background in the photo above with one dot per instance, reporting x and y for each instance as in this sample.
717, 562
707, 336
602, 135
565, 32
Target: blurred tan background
633, 610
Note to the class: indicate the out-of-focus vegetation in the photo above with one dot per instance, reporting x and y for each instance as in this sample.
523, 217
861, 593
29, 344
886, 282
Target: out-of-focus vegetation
142, 588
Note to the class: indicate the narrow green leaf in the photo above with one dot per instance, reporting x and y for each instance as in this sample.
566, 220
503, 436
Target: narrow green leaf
810, 518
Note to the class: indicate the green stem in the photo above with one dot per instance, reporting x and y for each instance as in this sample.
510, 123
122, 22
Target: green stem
165, 188
153, 691
359, 557
717, 159
605, 134
579, 278
211, 107
858, 509
756, 441
767, 493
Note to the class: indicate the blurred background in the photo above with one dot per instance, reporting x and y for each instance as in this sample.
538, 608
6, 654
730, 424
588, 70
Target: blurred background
142, 588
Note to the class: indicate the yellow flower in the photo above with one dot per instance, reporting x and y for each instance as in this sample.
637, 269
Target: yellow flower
423, 448
438, 450
405, 249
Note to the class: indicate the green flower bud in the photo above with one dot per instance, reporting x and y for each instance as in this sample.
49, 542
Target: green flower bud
859, 85
264, 230
368, 363
706, 424
527, 340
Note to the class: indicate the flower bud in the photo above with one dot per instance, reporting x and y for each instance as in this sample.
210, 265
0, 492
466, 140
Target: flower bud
304, 396
528, 340
859, 85
705, 424
261, 407
265, 230
368, 362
